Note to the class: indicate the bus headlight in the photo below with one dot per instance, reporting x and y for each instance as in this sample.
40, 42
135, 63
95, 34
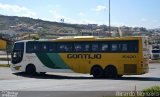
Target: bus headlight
17, 67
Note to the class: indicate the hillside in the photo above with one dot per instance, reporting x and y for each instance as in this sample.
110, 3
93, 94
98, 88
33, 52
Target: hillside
25, 24
19, 28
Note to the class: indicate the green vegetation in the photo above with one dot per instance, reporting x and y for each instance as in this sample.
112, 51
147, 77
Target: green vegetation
149, 92
35, 37
4, 59
152, 92
4, 65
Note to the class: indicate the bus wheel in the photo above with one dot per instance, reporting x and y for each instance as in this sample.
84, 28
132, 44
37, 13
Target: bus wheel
31, 70
110, 72
97, 72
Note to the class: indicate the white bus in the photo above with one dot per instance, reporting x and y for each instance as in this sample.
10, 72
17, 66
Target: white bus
155, 52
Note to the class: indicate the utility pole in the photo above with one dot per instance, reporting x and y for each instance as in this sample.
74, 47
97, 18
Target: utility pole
7, 51
29, 36
7, 57
109, 18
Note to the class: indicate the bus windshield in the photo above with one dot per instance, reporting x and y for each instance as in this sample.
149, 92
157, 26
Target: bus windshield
17, 53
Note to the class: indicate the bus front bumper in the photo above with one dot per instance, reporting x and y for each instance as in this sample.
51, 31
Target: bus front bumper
16, 68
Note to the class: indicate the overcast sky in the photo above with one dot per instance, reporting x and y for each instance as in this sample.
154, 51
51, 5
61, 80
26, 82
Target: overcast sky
141, 13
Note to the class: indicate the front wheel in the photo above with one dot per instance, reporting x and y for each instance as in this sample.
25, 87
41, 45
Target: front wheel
31, 70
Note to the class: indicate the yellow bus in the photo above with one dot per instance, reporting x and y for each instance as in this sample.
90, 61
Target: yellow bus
100, 57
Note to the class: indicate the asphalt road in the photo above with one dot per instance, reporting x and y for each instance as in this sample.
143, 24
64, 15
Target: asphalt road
75, 85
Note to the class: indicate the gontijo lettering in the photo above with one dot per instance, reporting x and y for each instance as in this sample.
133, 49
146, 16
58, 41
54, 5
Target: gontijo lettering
84, 56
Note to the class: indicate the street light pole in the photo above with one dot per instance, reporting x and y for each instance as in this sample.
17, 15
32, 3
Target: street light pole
109, 18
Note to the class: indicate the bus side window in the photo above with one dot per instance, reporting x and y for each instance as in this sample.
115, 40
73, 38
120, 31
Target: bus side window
30, 47
61, 47
114, 47
69, 47
105, 47
51, 47
65, 47
81, 47
95, 47
78, 47
43, 47
86, 47
36, 47
133, 46
124, 47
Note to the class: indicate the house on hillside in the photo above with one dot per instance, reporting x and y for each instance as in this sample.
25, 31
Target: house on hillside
66, 31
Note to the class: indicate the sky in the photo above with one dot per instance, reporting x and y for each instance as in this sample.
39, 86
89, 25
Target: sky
133, 13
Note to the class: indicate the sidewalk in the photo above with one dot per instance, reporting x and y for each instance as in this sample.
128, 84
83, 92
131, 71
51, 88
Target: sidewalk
5, 56
4, 62
3, 53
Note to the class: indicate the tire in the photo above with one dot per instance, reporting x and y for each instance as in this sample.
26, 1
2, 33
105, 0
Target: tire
31, 70
97, 72
110, 72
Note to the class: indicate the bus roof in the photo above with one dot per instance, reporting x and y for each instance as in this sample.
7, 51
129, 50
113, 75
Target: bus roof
84, 38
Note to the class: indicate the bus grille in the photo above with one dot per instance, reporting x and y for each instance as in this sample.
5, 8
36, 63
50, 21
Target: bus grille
130, 68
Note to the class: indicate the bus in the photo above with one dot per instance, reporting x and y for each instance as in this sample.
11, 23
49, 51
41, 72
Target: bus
155, 51
100, 57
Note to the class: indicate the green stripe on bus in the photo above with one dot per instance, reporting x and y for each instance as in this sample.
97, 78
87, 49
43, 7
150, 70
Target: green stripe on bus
43, 57
58, 61
52, 60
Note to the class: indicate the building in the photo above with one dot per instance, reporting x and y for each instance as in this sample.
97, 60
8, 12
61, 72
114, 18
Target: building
3, 44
